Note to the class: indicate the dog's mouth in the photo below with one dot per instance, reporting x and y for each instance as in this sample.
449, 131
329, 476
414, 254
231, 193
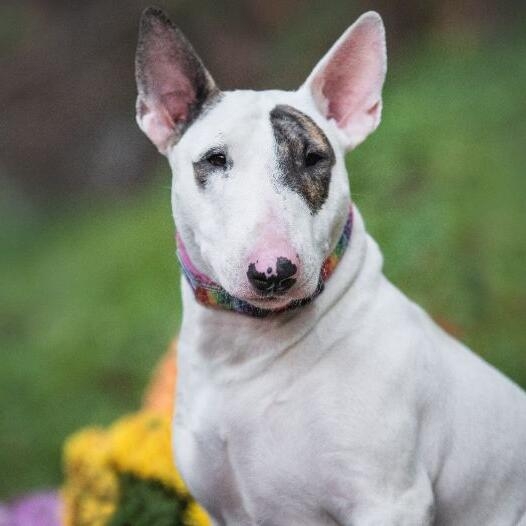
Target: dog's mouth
266, 299
270, 302
274, 303
278, 300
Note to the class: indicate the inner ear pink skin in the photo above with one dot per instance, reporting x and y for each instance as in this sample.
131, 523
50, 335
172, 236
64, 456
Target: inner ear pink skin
177, 104
161, 114
354, 75
347, 83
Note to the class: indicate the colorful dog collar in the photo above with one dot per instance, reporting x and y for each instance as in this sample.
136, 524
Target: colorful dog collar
211, 294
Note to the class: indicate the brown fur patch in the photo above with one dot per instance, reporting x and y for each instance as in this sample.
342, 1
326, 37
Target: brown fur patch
305, 156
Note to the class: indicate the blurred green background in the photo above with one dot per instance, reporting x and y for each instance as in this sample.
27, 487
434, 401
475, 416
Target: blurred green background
89, 281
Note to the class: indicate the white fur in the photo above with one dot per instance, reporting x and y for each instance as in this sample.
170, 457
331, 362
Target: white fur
353, 410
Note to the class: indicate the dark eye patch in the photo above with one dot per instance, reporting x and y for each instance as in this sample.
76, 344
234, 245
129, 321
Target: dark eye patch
213, 160
305, 156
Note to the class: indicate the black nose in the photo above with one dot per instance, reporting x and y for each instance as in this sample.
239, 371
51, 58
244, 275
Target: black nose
276, 280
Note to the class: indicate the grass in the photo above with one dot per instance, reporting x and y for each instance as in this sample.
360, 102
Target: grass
90, 295
89, 303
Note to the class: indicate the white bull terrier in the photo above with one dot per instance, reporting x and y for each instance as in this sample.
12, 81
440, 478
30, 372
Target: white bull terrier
311, 391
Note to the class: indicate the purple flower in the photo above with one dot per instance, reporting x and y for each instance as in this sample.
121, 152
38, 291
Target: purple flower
35, 509
4, 515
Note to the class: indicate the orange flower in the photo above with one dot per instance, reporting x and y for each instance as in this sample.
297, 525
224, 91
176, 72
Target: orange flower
160, 393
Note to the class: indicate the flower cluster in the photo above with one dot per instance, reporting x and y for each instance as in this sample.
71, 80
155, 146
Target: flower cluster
91, 491
41, 508
125, 474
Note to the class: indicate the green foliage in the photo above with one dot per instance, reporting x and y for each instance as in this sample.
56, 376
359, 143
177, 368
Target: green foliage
89, 303
146, 502
89, 296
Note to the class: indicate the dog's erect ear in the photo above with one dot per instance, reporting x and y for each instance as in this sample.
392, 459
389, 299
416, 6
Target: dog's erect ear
346, 84
172, 82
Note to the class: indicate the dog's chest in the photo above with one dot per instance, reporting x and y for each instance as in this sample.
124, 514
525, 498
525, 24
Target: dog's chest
238, 450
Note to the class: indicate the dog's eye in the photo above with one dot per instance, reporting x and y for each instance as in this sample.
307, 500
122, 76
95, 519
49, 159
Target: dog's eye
313, 158
217, 159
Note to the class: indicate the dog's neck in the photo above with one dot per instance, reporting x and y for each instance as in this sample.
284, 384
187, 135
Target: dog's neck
233, 347
211, 294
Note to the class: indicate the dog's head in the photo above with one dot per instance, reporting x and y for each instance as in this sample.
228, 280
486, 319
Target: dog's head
260, 189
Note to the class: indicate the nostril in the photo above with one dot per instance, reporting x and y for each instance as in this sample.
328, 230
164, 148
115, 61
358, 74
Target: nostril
273, 282
284, 285
285, 268
259, 280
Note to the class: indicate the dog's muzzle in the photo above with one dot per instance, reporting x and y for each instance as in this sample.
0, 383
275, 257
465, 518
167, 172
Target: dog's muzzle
277, 278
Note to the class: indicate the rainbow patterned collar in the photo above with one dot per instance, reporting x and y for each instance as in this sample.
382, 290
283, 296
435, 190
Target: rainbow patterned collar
211, 294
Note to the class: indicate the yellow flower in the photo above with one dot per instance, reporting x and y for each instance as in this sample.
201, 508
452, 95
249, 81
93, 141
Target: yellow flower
141, 444
86, 449
196, 516
93, 513
91, 490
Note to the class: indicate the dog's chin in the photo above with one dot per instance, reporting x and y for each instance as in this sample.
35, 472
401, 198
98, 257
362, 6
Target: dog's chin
269, 302
275, 301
